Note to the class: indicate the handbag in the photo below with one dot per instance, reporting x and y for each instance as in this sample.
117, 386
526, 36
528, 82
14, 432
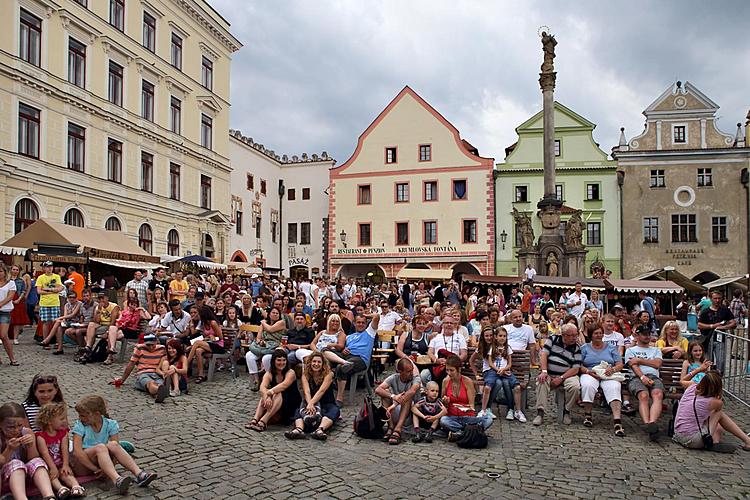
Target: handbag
708, 439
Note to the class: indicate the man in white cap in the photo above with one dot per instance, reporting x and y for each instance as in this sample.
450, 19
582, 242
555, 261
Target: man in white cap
48, 286
256, 285
145, 360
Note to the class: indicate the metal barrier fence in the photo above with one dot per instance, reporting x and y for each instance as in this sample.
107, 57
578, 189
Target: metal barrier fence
734, 355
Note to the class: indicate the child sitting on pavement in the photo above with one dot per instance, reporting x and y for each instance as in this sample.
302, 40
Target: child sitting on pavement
52, 442
427, 412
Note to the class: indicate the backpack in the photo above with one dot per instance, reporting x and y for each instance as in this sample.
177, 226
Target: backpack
368, 423
99, 353
473, 436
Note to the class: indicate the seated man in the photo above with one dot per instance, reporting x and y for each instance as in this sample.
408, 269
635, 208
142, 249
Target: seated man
145, 360
174, 324
645, 362
299, 337
560, 362
76, 333
397, 392
106, 315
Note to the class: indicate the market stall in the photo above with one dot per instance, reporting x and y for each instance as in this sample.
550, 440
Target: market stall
409, 274
625, 292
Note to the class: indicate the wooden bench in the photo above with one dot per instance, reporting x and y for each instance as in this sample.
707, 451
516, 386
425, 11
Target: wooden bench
229, 335
381, 355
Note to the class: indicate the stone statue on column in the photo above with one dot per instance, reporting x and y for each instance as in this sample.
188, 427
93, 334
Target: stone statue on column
548, 47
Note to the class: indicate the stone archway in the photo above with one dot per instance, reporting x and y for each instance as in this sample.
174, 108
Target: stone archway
369, 272
239, 256
705, 277
464, 268
416, 265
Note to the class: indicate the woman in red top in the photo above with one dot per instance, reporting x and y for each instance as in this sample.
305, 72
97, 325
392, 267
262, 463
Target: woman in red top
127, 326
458, 396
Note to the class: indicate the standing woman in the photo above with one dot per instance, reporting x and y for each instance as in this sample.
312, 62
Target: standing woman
32, 298
7, 292
18, 317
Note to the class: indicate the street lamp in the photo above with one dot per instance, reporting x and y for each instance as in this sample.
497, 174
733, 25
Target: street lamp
503, 238
342, 237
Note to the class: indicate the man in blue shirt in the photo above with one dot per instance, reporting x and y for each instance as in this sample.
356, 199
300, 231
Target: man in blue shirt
356, 355
256, 285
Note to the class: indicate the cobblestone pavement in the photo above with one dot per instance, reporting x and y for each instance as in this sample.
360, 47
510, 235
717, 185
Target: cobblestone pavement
199, 447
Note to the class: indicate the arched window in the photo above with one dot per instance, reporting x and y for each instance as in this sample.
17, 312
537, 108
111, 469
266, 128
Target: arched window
113, 224
145, 237
173, 243
26, 214
208, 246
74, 217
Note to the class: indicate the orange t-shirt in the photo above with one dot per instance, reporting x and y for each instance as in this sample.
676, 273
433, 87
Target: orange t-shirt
526, 303
79, 282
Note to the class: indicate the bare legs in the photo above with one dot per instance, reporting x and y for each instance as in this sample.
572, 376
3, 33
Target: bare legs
7, 344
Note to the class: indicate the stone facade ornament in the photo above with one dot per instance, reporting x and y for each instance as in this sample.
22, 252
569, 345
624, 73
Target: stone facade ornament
552, 264
574, 232
526, 231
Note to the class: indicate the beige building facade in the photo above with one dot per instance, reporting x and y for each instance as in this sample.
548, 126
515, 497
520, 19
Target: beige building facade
684, 194
114, 116
412, 195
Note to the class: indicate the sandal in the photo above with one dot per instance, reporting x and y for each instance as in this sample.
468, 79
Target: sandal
77, 492
58, 352
395, 438
255, 387
109, 360
296, 433
251, 424
15, 363
320, 434
63, 493
260, 427
387, 434
619, 430
46, 347
587, 421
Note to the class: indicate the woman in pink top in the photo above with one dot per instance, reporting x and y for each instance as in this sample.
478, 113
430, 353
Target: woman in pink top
702, 404
127, 326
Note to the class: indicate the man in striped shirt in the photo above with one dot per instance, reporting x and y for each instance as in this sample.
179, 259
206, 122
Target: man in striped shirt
560, 362
146, 359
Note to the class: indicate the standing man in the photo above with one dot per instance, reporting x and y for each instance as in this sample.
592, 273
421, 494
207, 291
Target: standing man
560, 363
738, 308
645, 362
529, 272
713, 321
48, 286
577, 301
140, 286
79, 282
159, 279
178, 287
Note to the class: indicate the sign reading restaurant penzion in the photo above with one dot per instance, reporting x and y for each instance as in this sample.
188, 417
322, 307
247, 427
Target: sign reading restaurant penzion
379, 250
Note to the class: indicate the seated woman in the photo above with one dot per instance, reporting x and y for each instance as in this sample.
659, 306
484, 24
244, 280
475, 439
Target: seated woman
672, 344
267, 340
415, 343
279, 396
700, 414
594, 353
212, 342
127, 326
175, 368
332, 338
695, 367
154, 324
157, 297
71, 313
319, 411
458, 397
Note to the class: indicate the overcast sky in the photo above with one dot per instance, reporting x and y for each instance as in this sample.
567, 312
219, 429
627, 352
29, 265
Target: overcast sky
312, 75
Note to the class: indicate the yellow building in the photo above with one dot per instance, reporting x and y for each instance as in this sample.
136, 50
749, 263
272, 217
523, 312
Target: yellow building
114, 114
413, 195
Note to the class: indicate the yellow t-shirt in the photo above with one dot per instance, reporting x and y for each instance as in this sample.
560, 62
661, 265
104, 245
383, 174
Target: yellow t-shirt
105, 314
178, 286
51, 299
683, 344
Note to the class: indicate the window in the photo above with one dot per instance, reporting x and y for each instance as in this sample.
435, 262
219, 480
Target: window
719, 229
651, 230
26, 214
518, 236
84, 3
522, 194
145, 237
430, 191
291, 194
117, 14
262, 186
30, 39
76, 63
559, 191
149, 32
205, 192
147, 172
364, 195
430, 232
459, 189
28, 130
390, 155
250, 182
684, 228
174, 181
257, 228
679, 134
175, 115
273, 231
592, 192
208, 246
115, 83
657, 179
76, 147
402, 233
207, 73
291, 235
147, 101
176, 51
558, 147
114, 161
705, 177
470, 231
593, 233
206, 131
305, 193
425, 152
238, 222
365, 236
402, 192
113, 224
304, 233
74, 217
173, 243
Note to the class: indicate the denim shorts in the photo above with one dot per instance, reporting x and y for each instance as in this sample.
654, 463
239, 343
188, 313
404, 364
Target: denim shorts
4, 318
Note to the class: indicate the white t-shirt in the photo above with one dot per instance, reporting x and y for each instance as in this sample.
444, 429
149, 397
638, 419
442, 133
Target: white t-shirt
530, 273
500, 362
306, 288
388, 321
519, 338
454, 343
577, 310
8, 289
615, 338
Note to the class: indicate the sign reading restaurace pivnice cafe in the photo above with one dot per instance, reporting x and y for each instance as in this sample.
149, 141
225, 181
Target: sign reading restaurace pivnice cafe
382, 250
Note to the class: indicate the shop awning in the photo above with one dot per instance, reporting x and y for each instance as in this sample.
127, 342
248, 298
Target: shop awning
733, 280
491, 280
672, 275
210, 265
649, 286
424, 274
13, 250
127, 264
560, 282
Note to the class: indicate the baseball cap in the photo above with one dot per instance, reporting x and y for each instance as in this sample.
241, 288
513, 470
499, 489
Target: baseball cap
69, 282
253, 276
47, 263
200, 295
242, 292
643, 329
149, 339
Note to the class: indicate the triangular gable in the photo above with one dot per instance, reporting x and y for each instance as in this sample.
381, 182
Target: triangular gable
208, 102
571, 119
407, 91
687, 88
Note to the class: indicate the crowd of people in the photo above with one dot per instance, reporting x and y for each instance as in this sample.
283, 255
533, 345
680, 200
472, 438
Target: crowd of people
453, 346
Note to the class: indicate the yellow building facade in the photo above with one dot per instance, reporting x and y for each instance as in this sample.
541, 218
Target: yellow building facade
113, 115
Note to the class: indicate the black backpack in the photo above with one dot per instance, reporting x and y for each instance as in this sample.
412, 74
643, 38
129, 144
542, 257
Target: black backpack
368, 423
99, 353
473, 436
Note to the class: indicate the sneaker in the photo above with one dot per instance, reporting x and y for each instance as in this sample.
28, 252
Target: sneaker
520, 416
454, 436
653, 431
15, 341
161, 393
123, 484
627, 408
538, 420
566, 418
428, 436
489, 412
175, 393
145, 478
510, 415
417, 437
481, 414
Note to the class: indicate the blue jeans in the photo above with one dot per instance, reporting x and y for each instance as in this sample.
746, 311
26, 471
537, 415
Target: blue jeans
498, 383
456, 424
